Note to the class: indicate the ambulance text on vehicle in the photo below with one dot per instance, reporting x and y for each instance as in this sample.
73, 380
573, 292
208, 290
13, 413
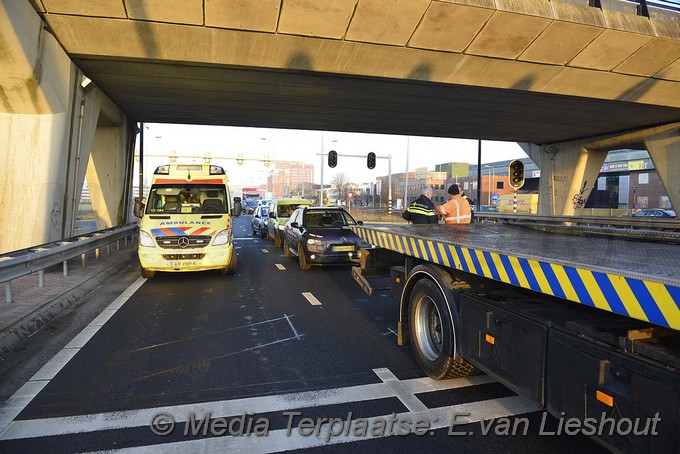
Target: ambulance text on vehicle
186, 224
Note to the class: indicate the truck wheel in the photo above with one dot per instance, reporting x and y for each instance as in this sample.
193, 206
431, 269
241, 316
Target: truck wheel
286, 249
277, 240
432, 334
302, 259
148, 273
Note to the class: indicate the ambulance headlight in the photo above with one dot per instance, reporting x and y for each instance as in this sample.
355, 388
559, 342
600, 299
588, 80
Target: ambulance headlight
222, 237
145, 239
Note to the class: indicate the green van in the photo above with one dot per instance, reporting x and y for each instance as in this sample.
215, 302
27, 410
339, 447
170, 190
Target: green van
279, 213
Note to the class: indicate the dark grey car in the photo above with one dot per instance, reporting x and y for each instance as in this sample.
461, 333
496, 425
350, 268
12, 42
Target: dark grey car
320, 236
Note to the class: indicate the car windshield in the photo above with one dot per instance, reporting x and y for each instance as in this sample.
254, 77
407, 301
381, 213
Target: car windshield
327, 218
187, 199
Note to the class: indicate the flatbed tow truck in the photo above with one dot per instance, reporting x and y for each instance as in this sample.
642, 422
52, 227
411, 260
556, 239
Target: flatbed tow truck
582, 317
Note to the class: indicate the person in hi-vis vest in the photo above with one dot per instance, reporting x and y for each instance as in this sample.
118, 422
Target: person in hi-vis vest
457, 209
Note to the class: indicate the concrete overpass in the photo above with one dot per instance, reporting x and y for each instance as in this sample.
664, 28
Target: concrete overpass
578, 78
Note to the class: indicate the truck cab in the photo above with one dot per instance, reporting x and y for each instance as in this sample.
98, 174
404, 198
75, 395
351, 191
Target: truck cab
186, 222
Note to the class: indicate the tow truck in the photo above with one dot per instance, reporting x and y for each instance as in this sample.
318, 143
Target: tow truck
580, 315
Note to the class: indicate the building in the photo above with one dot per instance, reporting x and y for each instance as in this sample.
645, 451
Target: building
628, 180
287, 179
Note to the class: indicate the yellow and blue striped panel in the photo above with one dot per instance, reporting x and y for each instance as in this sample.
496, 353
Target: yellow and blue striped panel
640, 299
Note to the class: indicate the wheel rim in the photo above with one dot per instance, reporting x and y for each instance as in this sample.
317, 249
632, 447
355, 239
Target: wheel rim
428, 326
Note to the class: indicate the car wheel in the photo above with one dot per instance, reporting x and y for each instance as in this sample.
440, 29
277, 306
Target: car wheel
277, 240
302, 259
286, 249
148, 273
263, 234
432, 334
254, 232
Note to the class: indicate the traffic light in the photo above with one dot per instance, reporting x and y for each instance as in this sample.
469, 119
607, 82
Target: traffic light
332, 158
370, 160
516, 174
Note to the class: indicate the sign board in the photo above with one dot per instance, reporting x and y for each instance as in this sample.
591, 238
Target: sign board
349, 194
494, 196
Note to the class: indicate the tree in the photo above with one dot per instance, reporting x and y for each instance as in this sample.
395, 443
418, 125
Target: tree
340, 184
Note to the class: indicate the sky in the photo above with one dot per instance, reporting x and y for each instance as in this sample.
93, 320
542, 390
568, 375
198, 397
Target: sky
193, 142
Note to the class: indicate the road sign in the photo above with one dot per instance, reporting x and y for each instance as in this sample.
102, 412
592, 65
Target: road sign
349, 194
494, 197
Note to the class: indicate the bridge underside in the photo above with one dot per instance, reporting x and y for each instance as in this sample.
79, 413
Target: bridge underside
182, 93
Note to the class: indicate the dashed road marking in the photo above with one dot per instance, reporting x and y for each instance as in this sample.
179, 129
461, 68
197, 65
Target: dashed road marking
281, 267
265, 251
311, 298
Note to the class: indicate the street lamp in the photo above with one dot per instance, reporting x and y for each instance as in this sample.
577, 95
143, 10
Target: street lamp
491, 172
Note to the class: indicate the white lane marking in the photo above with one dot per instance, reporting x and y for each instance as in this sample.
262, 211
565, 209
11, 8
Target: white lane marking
311, 298
46, 427
390, 331
297, 336
245, 238
265, 251
280, 267
20, 399
280, 440
406, 397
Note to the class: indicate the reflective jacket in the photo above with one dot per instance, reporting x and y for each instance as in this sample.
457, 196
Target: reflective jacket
456, 211
421, 211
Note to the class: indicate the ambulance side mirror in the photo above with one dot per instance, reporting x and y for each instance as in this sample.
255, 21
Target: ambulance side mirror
237, 208
138, 209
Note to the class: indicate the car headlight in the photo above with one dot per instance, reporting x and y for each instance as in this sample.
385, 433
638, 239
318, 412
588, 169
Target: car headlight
314, 241
282, 227
222, 237
145, 239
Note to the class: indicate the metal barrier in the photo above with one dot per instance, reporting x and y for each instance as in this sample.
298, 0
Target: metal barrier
596, 221
38, 258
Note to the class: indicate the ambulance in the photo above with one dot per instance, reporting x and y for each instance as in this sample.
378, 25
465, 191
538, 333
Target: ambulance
185, 224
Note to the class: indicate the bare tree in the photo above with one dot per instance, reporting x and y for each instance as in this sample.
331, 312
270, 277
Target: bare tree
340, 183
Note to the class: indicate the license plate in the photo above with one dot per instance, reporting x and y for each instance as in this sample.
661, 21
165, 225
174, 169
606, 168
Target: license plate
182, 264
343, 248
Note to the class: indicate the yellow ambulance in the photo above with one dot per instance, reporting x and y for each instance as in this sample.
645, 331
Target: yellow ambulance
185, 224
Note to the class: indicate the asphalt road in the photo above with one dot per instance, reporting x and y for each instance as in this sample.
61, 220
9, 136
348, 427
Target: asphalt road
237, 363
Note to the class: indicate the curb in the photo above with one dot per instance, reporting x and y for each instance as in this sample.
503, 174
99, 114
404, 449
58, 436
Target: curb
30, 323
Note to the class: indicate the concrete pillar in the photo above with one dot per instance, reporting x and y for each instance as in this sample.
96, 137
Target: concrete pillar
663, 145
106, 175
40, 98
569, 173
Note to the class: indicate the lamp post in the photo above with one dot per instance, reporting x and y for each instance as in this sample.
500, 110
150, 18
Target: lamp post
492, 171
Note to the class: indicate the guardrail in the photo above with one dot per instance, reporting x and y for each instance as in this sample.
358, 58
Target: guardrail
38, 258
587, 221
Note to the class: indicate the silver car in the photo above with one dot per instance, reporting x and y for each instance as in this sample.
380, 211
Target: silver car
260, 218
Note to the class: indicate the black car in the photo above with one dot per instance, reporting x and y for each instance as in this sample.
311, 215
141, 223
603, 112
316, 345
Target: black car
321, 235
657, 213
249, 206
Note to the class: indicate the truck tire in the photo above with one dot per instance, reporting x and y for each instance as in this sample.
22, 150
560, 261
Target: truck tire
148, 273
432, 333
286, 249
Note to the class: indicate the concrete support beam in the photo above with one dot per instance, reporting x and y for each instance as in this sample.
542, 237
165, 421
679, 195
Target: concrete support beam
41, 131
663, 146
569, 173
569, 170
106, 175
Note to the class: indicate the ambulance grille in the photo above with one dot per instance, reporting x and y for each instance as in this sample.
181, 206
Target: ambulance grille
180, 242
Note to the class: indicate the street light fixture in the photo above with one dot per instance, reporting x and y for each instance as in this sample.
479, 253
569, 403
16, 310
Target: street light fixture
491, 172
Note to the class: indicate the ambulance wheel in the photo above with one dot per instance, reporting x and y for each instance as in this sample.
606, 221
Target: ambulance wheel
148, 273
433, 335
277, 240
